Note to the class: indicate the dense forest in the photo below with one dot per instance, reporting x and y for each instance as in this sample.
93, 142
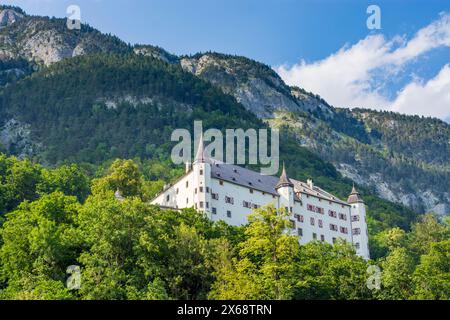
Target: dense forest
128, 249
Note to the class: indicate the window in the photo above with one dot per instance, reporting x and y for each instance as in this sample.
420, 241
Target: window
201, 172
201, 204
332, 213
187, 200
357, 246
292, 222
290, 209
311, 220
195, 190
221, 182
215, 196
334, 240
333, 227
320, 223
322, 237
355, 218
167, 198
310, 207
200, 189
214, 210
301, 218
255, 206
229, 200
228, 213
251, 190
207, 189
314, 236
344, 230
320, 210
342, 216
187, 184
300, 232
356, 231
177, 190
207, 204
246, 204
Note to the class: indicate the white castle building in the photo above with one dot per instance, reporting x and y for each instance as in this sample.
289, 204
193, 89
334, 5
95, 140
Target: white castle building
230, 193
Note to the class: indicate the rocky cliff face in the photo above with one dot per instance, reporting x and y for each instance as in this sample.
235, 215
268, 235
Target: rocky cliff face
46, 40
254, 85
8, 17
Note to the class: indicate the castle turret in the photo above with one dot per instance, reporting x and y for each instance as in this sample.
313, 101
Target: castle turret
202, 179
360, 234
285, 189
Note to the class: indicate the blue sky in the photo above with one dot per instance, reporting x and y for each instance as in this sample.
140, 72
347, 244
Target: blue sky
314, 44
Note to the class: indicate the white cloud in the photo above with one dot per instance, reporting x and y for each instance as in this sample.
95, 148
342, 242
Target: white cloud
430, 99
355, 75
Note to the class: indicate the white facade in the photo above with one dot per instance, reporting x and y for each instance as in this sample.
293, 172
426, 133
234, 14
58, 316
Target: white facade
230, 193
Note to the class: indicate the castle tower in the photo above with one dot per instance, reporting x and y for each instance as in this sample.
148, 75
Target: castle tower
201, 168
285, 189
360, 234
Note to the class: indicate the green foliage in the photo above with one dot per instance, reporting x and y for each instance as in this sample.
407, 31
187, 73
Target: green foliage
128, 249
38, 244
68, 179
23, 180
432, 275
264, 267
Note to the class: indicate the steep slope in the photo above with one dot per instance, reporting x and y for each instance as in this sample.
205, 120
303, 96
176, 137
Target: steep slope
403, 158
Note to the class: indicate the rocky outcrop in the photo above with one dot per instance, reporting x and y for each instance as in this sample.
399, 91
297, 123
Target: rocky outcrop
48, 40
8, 17
254, 85
15, 137
157, 53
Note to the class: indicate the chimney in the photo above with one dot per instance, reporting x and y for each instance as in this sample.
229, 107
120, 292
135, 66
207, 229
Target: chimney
310, 183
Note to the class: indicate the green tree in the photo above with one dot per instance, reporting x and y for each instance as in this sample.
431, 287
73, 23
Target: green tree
331, 272
425, 233
396, 278
124, 176
69, 179
432, 275
265, 264
110, 230
39, 243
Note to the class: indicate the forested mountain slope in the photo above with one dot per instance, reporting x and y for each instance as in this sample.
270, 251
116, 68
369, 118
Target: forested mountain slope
402, 158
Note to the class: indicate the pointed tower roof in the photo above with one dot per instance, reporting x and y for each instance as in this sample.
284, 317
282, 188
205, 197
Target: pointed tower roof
200, 155
354, 196
284, 180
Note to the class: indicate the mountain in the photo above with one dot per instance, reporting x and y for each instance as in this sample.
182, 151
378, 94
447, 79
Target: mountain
82, 96
29, 42
402, 158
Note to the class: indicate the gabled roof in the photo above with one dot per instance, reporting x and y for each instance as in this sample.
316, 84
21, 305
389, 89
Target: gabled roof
252, 179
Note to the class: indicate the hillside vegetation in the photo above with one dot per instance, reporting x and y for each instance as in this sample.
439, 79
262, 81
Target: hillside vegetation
128, 249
